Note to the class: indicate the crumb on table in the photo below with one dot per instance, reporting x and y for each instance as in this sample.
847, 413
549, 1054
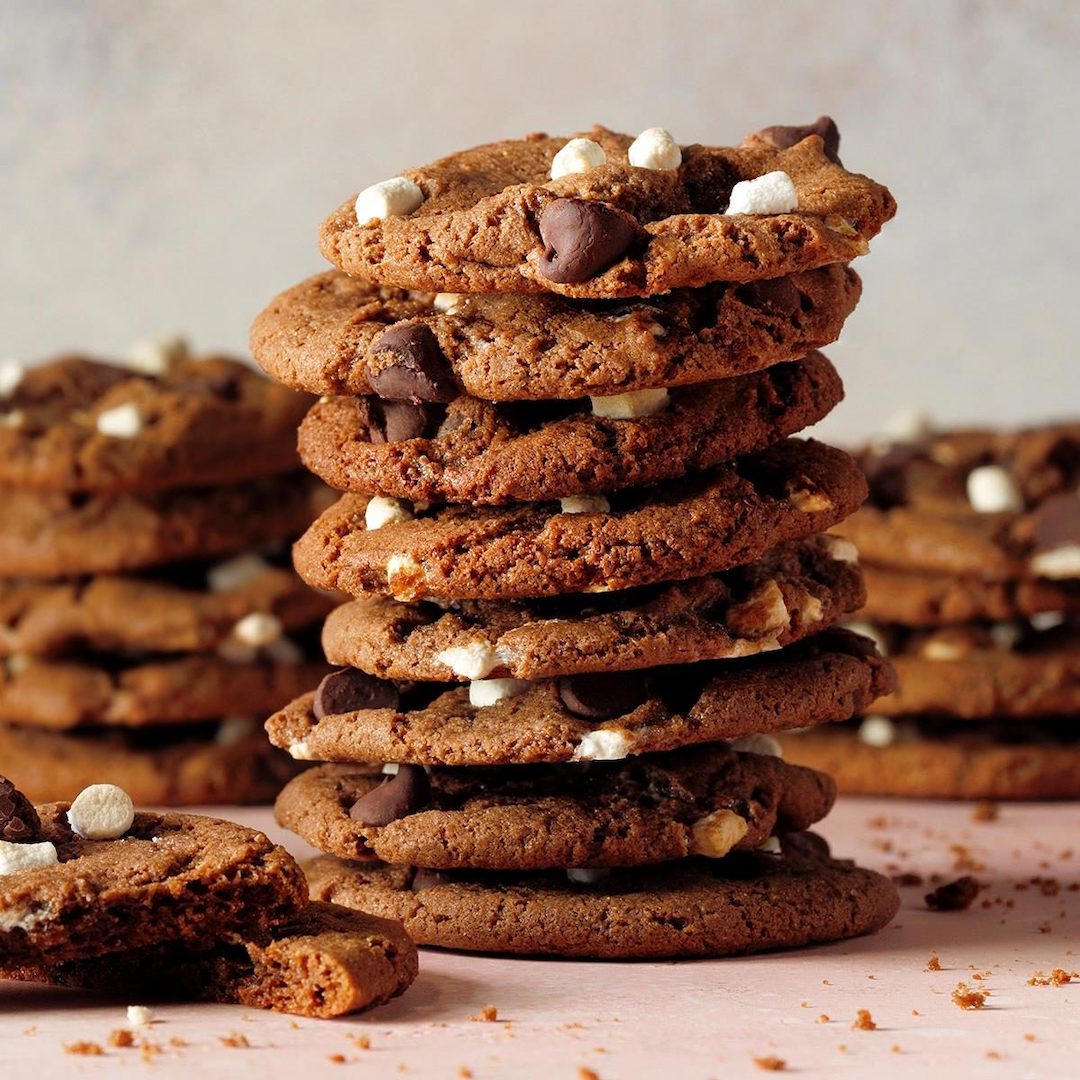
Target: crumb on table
1057, 977
771, 1063
934, 963
968, 998
864, 1021
487, 1015
84, 1048
956, 895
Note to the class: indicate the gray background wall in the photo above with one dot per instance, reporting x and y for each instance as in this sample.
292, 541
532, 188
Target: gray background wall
165, 165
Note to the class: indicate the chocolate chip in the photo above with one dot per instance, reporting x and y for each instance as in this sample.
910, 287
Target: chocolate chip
603, 696
955, 896
397, 421
348, 690
581, 238
1056, 521
784, 135
428, 879
19, 821
407, 791
776, 296
419, 371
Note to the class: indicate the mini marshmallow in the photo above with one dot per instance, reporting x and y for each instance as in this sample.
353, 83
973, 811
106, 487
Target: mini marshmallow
235, 573
583, 875
235, 729
942, 649
717, 833
631, 405
121, 422
759, 743
1046, 620
13, 419
771, 846
604, 744
391, 768
260, 628
577, 156
101, 812
472, 661
809, 502
584, 504
139, 1015
654, 148
382, 510
773, 193
1058, 563
16, 857
877, 731
992, 490
11, 373
446, 302
17, 663
301, 750
841, 550
156, 356
395, 197
485, 692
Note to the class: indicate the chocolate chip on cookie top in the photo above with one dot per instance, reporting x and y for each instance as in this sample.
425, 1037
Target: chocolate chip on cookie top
18, 819
607, 215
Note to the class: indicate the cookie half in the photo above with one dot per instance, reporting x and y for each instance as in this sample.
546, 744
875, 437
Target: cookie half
792, 591
472, 451
491, 219
831, 676
721, 907
80, 425
331, 335
682, 529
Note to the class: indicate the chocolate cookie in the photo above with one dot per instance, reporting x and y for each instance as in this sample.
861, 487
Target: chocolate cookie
792, 591
73, 693
329, 334
80, 425
707, 800
471, 451
169, 878
708, 907
181, 609
227, 762
831, 676
324, 961
52, 535
681, 529
492, 219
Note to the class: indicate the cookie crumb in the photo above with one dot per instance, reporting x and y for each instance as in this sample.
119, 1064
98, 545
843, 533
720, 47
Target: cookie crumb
1029, 1036
985, 811
823, 1019
864, 1021
361, 1042
967, 998
895, 1049
336, 1059
487, 1015
1057, 977
464, 1072
995, 1055
121, 1038
234, 1040
84, 1049
908, 879
956, 895
587, 1074
934, 963
771, 1063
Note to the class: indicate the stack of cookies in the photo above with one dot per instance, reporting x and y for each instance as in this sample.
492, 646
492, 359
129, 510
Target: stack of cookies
149, 616
588, 559
971, 542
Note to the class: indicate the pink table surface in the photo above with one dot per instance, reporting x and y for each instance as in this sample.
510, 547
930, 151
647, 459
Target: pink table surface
683, 1020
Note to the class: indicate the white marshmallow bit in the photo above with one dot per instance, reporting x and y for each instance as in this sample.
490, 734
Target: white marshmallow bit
841, 550
404, 577
391, 768
485, 692
101, 812
631, 405
446, 302
717, 833
604, 744
771, 846
584, 875
654, 148
157, 356
578, 155
11, 373
139, 1015
258, 629
16, 857
1058, 563
992, 490
382, 510
236, 573
584, 504
17, 663
120, 422
301, 750
857, 626
877, 731
759, 743
13, 419
473, 661
395, 197
773, 193
1046, 620
235, 729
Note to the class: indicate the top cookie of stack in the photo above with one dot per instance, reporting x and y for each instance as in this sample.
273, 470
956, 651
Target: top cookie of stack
596, 396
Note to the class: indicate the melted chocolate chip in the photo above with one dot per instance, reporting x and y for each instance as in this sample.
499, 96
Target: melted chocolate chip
776, 296
407, 791
398, 421
348, 690
19, 821
581, 238
603, 696
784, 135
1056, 521
419, 371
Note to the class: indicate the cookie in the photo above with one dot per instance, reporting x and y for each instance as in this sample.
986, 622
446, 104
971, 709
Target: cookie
681, 529
80, 425
226, 762
793, 590
471, 451
191, 608
695, 907
71, 693
491, 219
972, 764
831, 676
929, 600
169, 878
707, 800
989, 505
51, 535
324, 961
328, 335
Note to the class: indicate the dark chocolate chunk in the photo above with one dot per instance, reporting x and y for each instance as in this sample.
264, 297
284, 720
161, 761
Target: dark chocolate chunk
776, 296
956, 895
581, 238
19, 821
397, 421
419, 371
348, 690
407, 791
603, 696
1056, 521
784, 135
